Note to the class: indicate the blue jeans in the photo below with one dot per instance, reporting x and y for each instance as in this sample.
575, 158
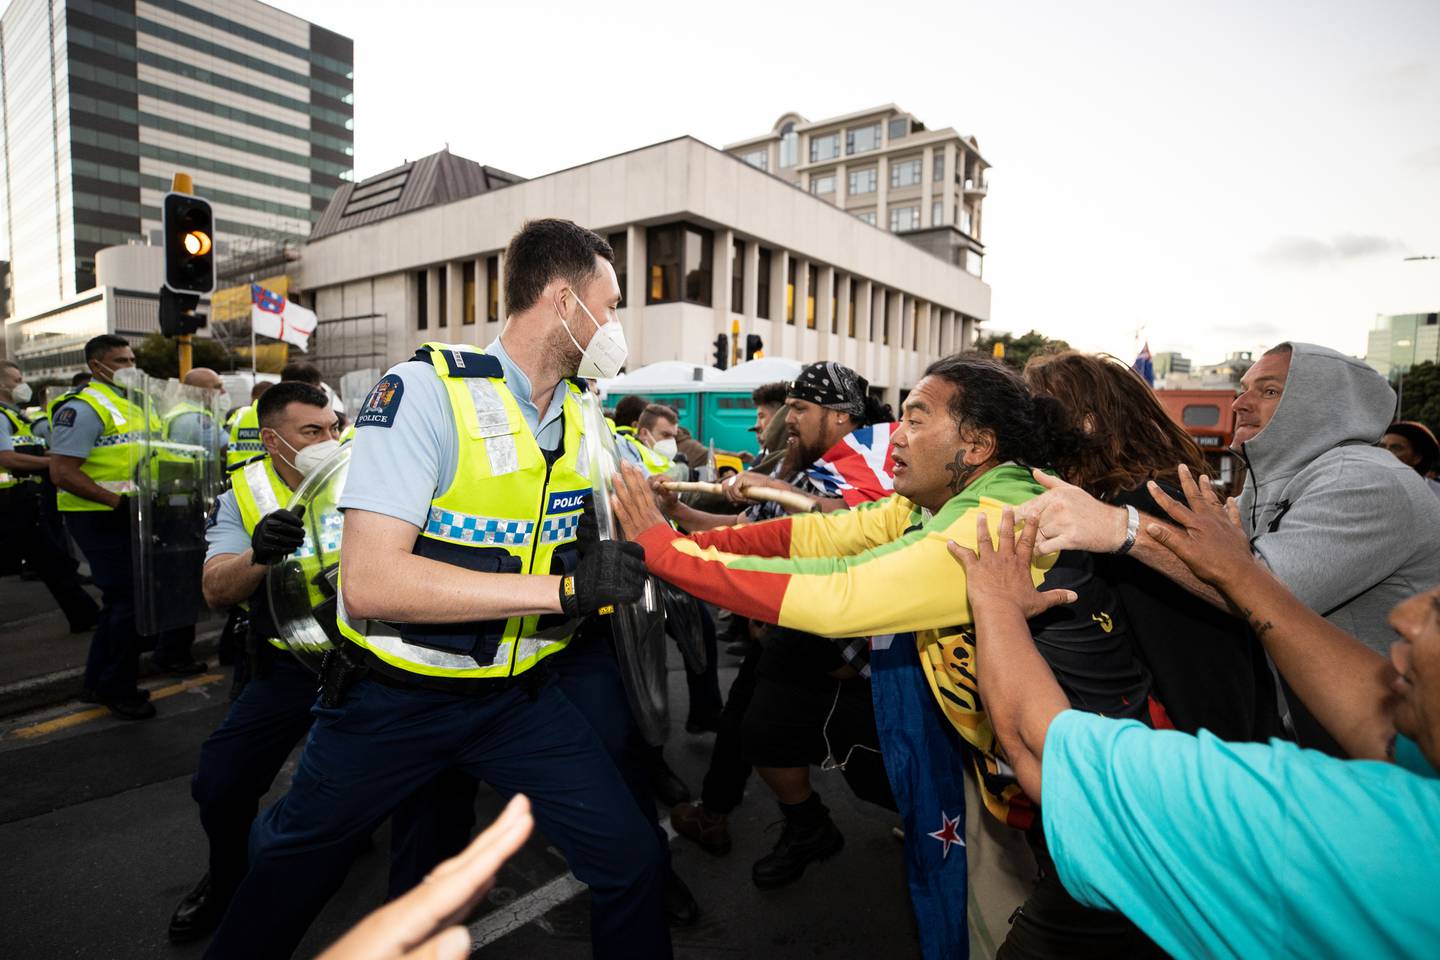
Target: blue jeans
374, 750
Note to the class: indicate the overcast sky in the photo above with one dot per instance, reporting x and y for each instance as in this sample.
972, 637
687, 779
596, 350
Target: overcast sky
1224, 175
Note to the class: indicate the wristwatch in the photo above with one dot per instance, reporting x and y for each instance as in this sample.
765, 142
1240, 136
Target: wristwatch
1132, 529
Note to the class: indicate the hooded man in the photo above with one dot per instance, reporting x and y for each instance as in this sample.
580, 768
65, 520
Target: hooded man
1343, 523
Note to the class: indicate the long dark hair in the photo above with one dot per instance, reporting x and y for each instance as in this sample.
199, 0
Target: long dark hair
1129, 438
992, 396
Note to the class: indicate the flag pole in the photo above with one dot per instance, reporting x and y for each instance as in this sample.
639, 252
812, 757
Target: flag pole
253, 375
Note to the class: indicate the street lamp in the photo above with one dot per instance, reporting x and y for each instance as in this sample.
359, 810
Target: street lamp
1400, 392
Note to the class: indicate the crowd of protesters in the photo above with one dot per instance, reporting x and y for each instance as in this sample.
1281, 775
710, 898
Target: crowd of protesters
1213, 726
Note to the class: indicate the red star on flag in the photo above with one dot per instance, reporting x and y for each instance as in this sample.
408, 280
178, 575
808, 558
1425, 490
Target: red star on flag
948, 833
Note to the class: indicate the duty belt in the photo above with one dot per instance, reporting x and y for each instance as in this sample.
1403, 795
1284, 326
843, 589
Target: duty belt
479, 688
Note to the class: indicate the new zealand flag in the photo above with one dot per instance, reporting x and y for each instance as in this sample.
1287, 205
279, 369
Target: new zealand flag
925, 764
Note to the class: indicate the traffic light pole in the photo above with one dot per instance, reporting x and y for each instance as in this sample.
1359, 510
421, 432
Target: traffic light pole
184, 346
188, 223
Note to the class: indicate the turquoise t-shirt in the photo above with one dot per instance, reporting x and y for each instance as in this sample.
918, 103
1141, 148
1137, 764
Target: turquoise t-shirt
1219, 849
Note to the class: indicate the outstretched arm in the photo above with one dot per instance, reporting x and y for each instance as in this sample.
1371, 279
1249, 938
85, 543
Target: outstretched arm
1345, 684
1070, 519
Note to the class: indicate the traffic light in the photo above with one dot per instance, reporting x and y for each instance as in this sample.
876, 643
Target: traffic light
754, 347
188, 223
722, 351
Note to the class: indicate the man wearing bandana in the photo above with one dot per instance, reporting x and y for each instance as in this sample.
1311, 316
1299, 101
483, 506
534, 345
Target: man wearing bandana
800, 699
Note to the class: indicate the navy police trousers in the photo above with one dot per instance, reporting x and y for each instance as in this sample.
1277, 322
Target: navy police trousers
384, 742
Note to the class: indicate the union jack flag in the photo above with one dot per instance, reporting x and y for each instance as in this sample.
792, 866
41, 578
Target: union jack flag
858, 468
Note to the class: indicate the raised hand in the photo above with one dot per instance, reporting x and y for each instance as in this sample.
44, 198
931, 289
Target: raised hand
407, 928
1207, 536
1000, 574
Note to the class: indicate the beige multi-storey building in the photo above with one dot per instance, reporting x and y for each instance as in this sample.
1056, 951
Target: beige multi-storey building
705, 246
884, 167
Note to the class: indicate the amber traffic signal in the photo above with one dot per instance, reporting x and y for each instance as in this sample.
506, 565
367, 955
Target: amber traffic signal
188, 223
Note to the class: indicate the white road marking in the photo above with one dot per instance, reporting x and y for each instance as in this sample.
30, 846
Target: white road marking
534, 905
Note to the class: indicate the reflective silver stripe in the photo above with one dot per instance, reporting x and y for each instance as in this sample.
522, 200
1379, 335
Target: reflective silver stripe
104, 401
490, 412
117, 486
258, 483
493, 422
380, 636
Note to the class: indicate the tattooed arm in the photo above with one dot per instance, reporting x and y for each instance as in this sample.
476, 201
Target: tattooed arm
1343, 683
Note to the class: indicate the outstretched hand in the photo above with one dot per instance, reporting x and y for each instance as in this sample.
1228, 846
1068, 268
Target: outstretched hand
633, 501
1207, 536
407, 928
1068, 518
1000, 574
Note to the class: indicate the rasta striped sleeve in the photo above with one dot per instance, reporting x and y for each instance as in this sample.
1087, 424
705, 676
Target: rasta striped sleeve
880, 568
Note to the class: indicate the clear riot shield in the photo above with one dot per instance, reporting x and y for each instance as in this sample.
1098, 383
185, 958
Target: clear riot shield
177, 474
304, 587
639, 628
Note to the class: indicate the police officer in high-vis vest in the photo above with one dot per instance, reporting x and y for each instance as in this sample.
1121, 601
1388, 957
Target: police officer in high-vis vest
242, 428
249, 530
463, 578
24, 517
93, 441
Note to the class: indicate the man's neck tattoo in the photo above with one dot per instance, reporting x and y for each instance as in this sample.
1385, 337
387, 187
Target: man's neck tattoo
960, 473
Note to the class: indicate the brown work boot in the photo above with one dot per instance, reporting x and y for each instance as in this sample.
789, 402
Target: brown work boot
693, 822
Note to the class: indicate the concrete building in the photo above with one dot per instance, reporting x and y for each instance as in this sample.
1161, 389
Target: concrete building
1400, 341
703, 243
1168, 362
884, 167
102, 100
1224, 375
50, 345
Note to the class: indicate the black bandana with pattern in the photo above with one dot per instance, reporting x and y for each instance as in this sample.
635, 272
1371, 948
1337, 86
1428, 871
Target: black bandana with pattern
833, 386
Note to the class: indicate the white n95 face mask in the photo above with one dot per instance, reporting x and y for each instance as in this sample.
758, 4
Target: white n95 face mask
22, 393
307, 459
666, 448
605, 354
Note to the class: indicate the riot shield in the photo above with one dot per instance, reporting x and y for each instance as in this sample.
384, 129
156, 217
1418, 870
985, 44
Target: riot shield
639, 628
304, 587
176, 471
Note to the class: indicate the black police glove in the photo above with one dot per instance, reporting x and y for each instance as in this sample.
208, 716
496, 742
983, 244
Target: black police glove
610, 572
588, 533
277, 535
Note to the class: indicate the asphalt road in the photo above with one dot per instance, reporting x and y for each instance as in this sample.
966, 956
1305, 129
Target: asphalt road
100, 840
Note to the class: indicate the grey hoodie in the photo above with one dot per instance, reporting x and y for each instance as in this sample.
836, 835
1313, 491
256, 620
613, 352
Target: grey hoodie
1348, 527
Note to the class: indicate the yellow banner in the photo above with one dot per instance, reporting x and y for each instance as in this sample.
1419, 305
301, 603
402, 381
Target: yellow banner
233, 303
269, 357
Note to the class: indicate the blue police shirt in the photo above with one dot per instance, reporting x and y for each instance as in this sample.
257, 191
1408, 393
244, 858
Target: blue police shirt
75, 430
225, 532
1220, 849
403, 457
6, 443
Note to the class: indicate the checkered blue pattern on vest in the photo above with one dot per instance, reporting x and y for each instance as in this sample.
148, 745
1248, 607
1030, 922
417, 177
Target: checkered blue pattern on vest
467, 528
558, 529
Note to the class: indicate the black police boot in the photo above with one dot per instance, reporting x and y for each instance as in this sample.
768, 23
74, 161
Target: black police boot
669, 788
809, 835
198, 914
132, 706
90, 696
181, 668
680, 905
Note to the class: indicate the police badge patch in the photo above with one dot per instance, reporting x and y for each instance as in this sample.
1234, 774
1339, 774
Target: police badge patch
382, 404
65, 417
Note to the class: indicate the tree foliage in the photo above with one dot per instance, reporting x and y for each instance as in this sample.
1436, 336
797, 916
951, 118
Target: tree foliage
159, 356
1018, 350
1420, 398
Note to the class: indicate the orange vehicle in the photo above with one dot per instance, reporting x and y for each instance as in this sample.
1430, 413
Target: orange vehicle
1206, 416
